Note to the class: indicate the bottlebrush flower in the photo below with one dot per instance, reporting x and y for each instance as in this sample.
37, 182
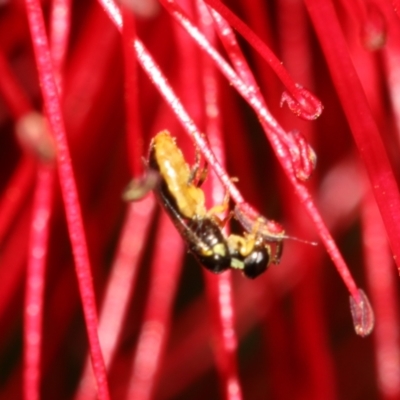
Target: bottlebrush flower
100, 297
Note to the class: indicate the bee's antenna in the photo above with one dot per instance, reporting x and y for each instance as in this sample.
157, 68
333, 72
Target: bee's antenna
299, 240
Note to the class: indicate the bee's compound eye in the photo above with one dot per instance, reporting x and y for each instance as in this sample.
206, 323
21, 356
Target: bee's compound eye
256, 262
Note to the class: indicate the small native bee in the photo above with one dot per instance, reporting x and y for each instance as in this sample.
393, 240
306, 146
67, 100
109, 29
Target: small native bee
180, 194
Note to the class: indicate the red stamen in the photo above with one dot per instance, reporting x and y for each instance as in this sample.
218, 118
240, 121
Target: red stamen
219, 288
158, 310
38, 248
120, 286
70, 196
300, 100
382, 282
364, 129
135, 140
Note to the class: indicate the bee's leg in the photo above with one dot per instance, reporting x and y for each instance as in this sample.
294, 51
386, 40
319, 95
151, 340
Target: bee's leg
220, 209
278, 252
198, 173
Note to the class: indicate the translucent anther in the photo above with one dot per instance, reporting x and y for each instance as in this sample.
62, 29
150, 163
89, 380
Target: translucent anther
362, 313
303, 156
139, 187
374, 29
303, 104
33, 134
144, 9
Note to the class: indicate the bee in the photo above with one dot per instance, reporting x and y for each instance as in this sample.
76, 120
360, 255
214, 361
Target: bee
179, 193
184, 202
